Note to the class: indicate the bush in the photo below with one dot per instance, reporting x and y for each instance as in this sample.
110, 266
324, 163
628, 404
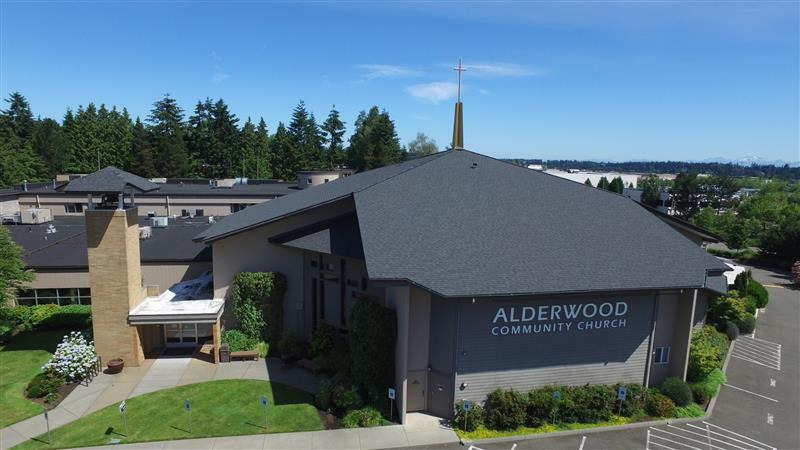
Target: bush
704, 390
73, 357
691, 410
659, 405
677, 390
540, 407
746, 324
16, 315
505, 410
45, 383
722, 309
258, 304
322, 340
290, 348
758, 292
731, 330
372, 343
706, 353
634, 400
324, 397
365, 417
50, 316
52, 398
474, 418
591, 403
238, 341
346, 398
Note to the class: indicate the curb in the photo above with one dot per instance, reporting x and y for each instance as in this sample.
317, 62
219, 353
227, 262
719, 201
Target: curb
713, 401
555, 434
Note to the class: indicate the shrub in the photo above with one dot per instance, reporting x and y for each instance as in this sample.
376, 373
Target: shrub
289, 347
474, 418
634, 400
52, 398
346, 398
746, 324
731, 330
591, 404
677, 390
540, 407
758, 292
73, 357
50, 316
365, 417
691, 410
505, 410
659, 405
324, 397
258, 304
238, 341
722, 309
16, 315
707, 352
322, 340
372, 342
45, 383
704, 390
40, 313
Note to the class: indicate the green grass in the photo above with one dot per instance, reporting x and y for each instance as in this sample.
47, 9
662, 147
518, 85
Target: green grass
219, 408
691, 410
21, 359
484, 433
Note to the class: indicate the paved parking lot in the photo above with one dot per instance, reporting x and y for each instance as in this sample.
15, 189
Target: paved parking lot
700, 436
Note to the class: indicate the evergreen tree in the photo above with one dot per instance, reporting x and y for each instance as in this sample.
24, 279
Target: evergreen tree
49, 143
96, 138
12, 267
18, 118
306, 140
603, 183
616, 185
283, 154
255, 149
166, 125
374, 142
651, 190
225, 143
141, 157
588, 182
199, 138
334, 130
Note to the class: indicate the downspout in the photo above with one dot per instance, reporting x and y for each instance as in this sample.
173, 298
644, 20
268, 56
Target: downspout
689, 335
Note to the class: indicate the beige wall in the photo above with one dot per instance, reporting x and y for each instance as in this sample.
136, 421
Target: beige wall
165, 275
9, 206
52, 279
251, 251
673, 325
211, 206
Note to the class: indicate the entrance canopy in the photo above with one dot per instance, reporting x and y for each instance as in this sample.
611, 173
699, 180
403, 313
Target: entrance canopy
188, 301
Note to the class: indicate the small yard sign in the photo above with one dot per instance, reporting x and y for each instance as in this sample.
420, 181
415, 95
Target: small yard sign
264, 401
622, 393
122, 407
557, 395
188, 407
392, 394
467, 405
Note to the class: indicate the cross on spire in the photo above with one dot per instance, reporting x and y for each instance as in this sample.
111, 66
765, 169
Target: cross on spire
460, 68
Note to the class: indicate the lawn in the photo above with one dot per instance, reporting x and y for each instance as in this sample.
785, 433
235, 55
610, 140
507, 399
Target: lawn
21, 359
219, 408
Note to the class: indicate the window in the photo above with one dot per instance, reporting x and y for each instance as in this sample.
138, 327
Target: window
185, 213
308, 180
198, 213
661, 355
326, 180
73, 207
236, 207
61, 296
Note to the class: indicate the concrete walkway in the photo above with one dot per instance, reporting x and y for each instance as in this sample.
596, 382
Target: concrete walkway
421, 430
152, 375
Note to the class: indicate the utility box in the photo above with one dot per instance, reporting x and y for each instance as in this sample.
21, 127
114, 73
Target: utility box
35, 215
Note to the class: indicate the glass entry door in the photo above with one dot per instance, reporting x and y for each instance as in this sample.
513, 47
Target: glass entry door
180, 334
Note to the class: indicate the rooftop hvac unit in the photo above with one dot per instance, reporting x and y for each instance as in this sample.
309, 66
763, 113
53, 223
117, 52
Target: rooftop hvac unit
35, 215
145, 232
159, 222
224, 183
158, 180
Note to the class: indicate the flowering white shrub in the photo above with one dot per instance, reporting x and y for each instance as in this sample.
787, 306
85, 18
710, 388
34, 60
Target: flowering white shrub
73, 357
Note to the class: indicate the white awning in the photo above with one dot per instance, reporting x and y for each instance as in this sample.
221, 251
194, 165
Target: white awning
188, 301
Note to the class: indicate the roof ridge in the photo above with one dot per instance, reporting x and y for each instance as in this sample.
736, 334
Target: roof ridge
430, 158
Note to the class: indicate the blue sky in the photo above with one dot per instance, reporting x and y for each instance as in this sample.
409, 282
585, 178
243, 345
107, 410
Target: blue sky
609, 81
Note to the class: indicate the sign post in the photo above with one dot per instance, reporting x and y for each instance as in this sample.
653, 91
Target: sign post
467, 409
122, 407
188, 406
621, 394
557, 398
392, 395
47, 421
264, 403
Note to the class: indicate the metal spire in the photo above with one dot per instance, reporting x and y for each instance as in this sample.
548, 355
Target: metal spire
458, 120
459, 68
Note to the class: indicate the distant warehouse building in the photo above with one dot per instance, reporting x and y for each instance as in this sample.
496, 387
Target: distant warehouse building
500, 276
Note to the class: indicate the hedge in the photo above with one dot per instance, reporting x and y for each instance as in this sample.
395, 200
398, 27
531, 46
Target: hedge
44, 383
505, 409
238, 341
372, 345
258, 304
706, 352
50, 316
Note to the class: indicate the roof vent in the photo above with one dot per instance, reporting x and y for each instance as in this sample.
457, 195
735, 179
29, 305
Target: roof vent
145, 232
474, 165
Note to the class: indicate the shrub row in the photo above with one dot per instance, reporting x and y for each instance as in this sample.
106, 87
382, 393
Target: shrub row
706, 353
51, 316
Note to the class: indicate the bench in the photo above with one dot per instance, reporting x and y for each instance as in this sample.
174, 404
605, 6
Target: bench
245, 354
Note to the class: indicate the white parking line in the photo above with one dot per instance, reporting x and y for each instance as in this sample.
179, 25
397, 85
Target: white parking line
740, 435
696, 437
750, 392
583, 441
757, 351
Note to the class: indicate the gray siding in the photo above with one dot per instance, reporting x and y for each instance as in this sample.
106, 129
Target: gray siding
441, 349
525, 361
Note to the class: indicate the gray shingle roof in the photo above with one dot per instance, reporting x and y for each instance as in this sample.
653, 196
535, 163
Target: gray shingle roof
109, 180
462, 224
339, 236
67, 247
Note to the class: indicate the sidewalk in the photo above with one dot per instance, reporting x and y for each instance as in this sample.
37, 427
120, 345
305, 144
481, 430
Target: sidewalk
421, 429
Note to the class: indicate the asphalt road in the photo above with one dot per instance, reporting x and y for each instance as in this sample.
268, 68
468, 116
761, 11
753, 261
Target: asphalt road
757, 409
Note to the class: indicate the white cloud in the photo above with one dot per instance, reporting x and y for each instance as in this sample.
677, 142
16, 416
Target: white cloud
219, 76
372, 71
434, 92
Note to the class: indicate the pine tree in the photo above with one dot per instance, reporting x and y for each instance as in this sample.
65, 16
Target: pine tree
616, 185
18, 118
49, 143
603, 183
255, 149
374, 142
166, 126
333, 129
198, 140
588, 182
18, 161
283, 155
225, 140
306, 139
263, 153
12, 267
141, 157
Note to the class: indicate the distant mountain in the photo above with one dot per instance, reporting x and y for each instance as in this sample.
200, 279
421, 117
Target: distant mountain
750, 160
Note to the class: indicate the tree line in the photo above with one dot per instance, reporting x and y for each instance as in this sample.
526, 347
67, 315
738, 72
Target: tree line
210, 142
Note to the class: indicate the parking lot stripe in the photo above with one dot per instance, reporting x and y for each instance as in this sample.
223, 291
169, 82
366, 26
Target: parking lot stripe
758, 353
706, 436
756, 362
654, 435
704, 432
750, 392
766, 341
747, 342
704, 442
740, 435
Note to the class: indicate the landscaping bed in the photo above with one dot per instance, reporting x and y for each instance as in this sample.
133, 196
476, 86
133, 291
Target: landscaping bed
219, 408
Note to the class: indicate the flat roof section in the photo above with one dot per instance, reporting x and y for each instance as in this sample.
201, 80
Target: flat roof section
189, 301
